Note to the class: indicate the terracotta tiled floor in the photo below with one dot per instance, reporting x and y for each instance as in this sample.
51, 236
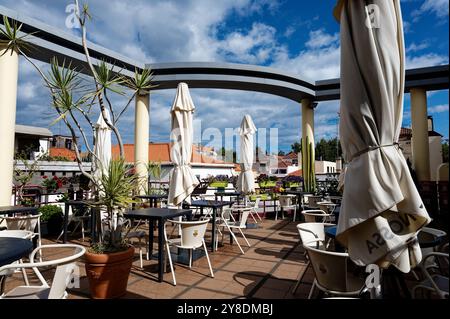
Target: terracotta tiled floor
268, 269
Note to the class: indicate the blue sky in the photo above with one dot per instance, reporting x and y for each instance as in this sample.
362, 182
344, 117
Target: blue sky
301, 37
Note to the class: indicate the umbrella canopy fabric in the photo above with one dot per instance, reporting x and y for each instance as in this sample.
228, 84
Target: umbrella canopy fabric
182, 179
246, 179
102, 148
381, 210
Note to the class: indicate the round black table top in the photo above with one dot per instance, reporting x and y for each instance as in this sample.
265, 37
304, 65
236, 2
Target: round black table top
12, 249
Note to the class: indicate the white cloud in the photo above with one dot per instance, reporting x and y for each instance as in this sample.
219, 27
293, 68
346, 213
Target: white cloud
414, 47
254, 46
319, 39
438, 108
425, 60
437, 7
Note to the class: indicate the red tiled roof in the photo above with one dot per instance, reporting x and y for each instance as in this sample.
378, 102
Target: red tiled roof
160, 152
298, 172
405, 132
63, 152
291, 156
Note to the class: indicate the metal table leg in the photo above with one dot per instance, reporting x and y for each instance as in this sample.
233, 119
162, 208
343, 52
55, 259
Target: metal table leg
160, 250
66, 221
213, 230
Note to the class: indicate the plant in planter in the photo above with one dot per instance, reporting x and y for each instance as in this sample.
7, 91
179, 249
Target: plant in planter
219, 181
290, 181
76, 101
51, 184
51, 219
266, 181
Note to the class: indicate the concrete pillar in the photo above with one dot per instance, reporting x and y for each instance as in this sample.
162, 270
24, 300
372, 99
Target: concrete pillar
142, 138
420, 146
308, 152
9, 72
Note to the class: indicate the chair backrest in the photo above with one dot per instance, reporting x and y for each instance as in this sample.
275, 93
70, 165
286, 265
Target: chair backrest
311, 232
314, 215
243, 217
63, 276
192, 232
312, 201
257, 200
24, 234
285, 200
330, 268
26, 222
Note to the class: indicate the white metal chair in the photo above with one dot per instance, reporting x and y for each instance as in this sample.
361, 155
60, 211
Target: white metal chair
254, 209
79, 220
191, 237
65, 270
313, 200
433, 282
316, 215
286, 202
31, 223
312, 234
130, 233
228, 221
331, 275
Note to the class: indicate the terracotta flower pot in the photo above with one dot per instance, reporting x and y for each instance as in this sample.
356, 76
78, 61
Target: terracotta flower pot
108, 273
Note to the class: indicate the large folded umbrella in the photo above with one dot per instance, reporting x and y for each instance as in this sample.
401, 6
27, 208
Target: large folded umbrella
182, 179
102, 149
381, 210
246, 179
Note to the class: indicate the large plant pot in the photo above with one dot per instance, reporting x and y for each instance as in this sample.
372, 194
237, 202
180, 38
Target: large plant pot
108, 273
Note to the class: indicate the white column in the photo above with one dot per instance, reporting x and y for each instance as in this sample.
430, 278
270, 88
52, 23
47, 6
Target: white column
9, 72
308, 154
141, 138
420, 144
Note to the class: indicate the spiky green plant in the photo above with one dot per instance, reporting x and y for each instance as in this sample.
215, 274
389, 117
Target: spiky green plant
116, 187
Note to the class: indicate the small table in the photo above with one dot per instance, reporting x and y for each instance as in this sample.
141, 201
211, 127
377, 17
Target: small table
214, 205
11, 250
160, 215
152, 198
238, 195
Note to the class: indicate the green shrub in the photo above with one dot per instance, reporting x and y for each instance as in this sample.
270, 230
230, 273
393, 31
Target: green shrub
49, 211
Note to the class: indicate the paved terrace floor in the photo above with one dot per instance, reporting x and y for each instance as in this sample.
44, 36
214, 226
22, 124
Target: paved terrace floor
268, 270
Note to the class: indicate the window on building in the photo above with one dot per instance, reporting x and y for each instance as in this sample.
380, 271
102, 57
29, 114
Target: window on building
68, 144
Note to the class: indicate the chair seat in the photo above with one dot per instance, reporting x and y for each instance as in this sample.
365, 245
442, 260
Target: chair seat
235, 225
28, 292
177, 243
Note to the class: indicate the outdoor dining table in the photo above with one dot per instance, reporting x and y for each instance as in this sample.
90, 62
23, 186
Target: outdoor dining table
11, 250
152, 198
160, 215
238, 195
214, 205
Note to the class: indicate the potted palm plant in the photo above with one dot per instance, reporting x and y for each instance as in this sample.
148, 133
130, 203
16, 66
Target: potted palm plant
108, 262
75, 101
